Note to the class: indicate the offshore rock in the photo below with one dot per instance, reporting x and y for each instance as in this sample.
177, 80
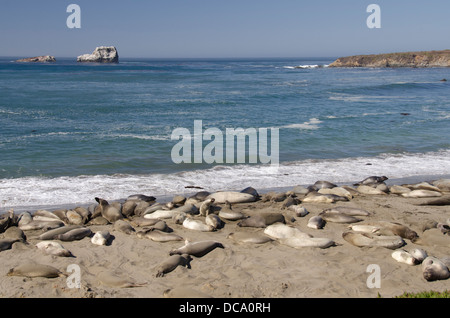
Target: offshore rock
101, 54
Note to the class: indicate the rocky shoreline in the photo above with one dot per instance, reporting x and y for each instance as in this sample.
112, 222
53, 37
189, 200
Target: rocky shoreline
406, 59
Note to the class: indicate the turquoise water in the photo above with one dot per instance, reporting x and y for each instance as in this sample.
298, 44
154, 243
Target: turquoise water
71, 131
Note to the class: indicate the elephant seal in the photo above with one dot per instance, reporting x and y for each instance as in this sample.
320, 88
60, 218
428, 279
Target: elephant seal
6, 220
421, 194
197, 249
315, 197
244, 237
422, 186
14, 232
227, 213
112, 280
324, 185
173, 262
371, 180
182, 292
124, 227
396, 189
35, 270
339, 191
109, 212
366, 189
159, 236
232, 197
41, 225
419, 254
438, 202
402, 256
316, 222
338, 218
300, 242
214, 221
141, 197
262, 220
205, 208
281, 231
398, 229
197, 225
51, 234
300, 211
442, 184
74, 235
251, 190
365, 228
365, 239
53, 248
6, 244
434, 269
100, 238
161, 214
348, 211
74, 218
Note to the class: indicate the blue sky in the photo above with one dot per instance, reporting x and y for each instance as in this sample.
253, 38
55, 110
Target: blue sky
222, 28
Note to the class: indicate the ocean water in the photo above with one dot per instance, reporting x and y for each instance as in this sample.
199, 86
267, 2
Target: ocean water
70, 131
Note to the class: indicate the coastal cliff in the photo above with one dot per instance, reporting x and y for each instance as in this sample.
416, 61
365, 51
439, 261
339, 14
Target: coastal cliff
102, 54
38, 59
406, 59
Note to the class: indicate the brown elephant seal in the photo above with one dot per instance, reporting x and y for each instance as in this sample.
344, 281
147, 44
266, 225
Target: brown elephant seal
124, 227
109, 212
399, 229
173, 262
159, 236
348, 211
112, 280
214, 221
372, 180
51, 234
323, 185
365, 239
434, 269
74, 235
338, 218
141, 197
262, 220
6, 244
35, 270
183, 292
316, 222
197, 249
14, 232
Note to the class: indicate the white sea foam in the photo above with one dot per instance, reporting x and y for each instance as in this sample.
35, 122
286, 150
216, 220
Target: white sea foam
312, 124
81, 190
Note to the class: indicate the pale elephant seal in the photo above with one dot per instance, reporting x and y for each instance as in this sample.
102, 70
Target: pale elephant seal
419, 254
281, 231
348, 211
371, 180
262, 220
422, 186
365, 239
6, 244
421, 194
161, 214
47, 214
159, 236
214, 221
197, 249
227, 213
109, 212
316, 222
41, 225
232, 197
434, 269
244, 237
35, 270
124, 227
112, 280
365, 228
396, 189
339, 191
100, 238
53, 248
173, 262
301, 242
403, 256
182, 292
300, 211
74, 235
205, 207
315, 197
197, 225
338, 218
74, 217
366, 189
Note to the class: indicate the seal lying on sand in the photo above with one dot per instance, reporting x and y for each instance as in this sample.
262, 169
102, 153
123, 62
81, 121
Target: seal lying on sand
173, 262
365, 239
434, 269
35, 270
262, 220
197, 249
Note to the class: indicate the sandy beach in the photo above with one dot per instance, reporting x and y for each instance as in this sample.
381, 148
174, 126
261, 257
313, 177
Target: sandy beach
242, 270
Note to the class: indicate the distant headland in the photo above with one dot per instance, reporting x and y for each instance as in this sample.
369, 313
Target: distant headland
406, 59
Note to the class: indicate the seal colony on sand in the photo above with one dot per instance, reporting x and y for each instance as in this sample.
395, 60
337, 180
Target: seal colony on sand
323, 220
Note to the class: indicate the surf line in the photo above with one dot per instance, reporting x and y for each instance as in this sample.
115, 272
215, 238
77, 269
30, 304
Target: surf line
213, 152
